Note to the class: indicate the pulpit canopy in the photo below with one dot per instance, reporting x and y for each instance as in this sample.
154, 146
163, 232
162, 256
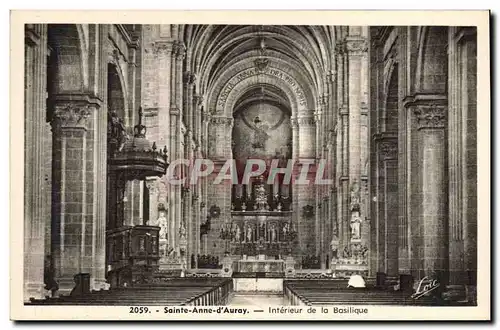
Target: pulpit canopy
136, 158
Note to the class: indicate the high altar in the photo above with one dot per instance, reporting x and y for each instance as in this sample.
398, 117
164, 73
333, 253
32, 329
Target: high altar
261, 232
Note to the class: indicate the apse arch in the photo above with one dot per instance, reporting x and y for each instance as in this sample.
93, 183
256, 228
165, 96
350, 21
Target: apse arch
245, 84
265, 93
226, 93
275, 59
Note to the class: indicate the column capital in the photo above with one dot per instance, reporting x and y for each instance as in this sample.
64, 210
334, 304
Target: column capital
220, 120
324, 99
317, 116
198, 98
331, 76
71, 115
306, 121
344, 109
430, 115
356, 45
179, 49
174, 111
206, 116
295, 122
162, 47
189, 78
389, 149
152, 185
340, 47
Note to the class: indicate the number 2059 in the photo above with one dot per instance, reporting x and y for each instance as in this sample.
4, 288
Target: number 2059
139, 310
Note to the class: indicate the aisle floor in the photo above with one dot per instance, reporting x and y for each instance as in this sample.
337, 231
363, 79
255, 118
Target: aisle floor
256, 300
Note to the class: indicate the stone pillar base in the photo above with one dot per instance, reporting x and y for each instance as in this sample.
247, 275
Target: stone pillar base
66, 284
35, 290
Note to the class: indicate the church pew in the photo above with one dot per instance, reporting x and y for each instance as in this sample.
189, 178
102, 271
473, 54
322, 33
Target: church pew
171, 292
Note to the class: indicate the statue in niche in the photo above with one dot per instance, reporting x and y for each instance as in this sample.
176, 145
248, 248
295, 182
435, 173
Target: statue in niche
346, 253
285, 231
273, 233
355, 197
355, 226
237, 233
162, 222
182, 230
249, 234
260, 135
334, 245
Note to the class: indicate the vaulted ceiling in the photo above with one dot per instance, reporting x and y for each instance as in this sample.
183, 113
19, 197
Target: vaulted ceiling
212, 50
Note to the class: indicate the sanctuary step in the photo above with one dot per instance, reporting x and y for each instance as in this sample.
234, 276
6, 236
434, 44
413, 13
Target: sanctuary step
173, 292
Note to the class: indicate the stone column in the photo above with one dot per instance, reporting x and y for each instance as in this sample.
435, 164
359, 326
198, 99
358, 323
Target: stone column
341, 164
403, 160
388, 150
356, 47
305, 193
462, 155
220, 194
188, 200
179, 140
198, 116
343, 188
71, 228
99, 196
294, 206
194, 234
35, 207
189, 81
318, 232
165, 78
432, 119
152, 185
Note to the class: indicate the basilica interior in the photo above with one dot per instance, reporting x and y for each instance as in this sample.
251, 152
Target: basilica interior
386, 115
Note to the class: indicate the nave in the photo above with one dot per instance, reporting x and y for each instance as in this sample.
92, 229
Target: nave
115, 114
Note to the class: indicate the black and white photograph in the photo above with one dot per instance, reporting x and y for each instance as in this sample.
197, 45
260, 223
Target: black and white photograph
251, 169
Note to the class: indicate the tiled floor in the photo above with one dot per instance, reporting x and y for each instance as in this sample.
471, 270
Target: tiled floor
256, 300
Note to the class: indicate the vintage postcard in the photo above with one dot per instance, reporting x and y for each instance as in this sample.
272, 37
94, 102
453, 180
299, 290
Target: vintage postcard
261, 165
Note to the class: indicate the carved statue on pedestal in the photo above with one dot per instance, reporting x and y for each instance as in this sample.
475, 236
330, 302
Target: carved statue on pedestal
162, 222
355, 226
334, 245
355, 196
285, 231
346, 254
273, 233
237, 233
182, 231
249, 234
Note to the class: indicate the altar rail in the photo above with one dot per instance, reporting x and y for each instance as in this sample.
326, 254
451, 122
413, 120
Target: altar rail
204, 272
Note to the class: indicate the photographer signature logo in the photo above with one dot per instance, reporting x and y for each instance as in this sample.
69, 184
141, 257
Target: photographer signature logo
425, 286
